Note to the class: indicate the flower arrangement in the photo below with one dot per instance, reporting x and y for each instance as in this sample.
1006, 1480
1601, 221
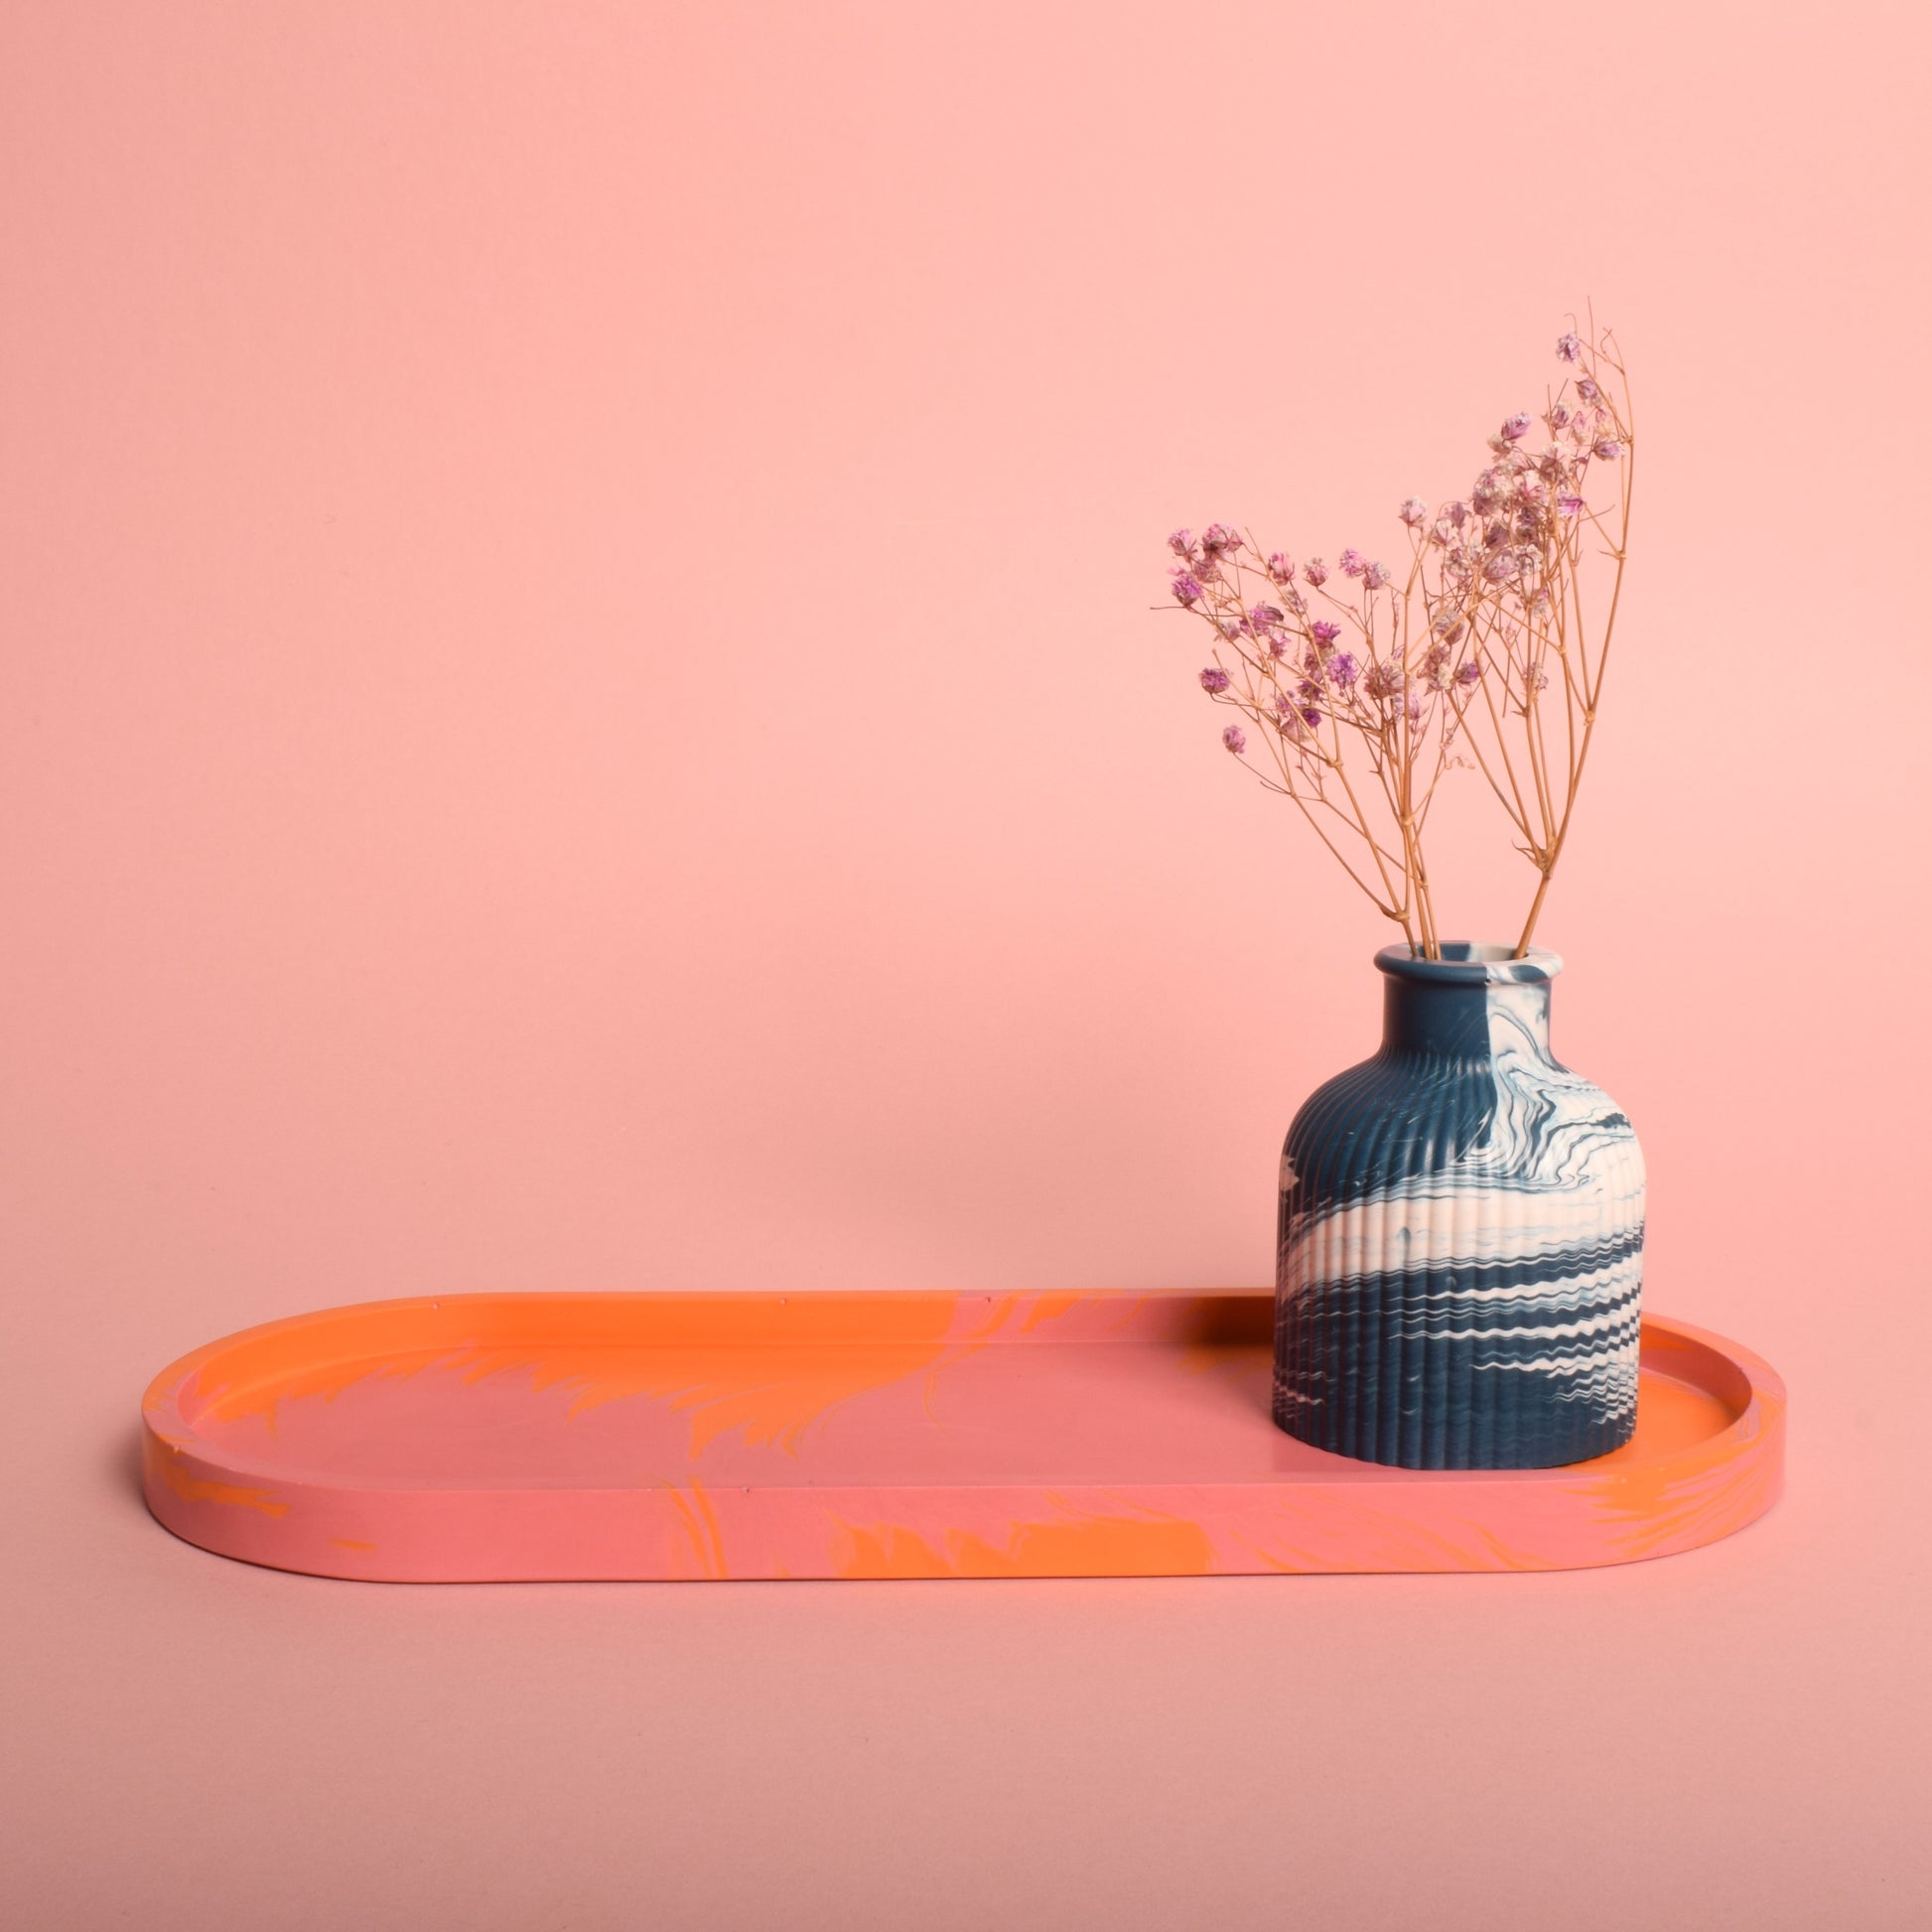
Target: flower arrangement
1364, 682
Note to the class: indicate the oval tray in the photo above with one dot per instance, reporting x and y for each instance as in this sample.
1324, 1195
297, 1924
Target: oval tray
504, 1437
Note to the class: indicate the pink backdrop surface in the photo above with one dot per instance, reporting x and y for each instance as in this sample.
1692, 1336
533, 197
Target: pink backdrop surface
580, 711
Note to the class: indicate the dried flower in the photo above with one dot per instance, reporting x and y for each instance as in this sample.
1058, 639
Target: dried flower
1481, 602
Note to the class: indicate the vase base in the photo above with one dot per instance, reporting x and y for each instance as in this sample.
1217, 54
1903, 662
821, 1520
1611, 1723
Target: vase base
1415, 1452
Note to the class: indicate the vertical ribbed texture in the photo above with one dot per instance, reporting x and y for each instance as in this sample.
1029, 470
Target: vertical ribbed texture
1461, 1239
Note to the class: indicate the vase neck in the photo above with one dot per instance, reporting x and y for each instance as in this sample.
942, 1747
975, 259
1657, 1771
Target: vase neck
1467, 1003
1463, 1021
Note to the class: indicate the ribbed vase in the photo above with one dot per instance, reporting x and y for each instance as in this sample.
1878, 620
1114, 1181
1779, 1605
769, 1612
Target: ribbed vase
1461, 1235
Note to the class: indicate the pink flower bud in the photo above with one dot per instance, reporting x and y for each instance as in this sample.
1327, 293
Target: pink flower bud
1235, 739
1213, 680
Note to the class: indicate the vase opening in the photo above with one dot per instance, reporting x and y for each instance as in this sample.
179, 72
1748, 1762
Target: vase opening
1465, 962
1461, 949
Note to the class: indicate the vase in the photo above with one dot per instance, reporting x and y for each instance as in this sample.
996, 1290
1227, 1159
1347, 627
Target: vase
1460, 1236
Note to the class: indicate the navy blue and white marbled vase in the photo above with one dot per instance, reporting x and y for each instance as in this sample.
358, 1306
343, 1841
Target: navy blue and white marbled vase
1460, 1236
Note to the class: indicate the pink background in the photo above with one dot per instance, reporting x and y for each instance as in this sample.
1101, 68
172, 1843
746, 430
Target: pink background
580, 712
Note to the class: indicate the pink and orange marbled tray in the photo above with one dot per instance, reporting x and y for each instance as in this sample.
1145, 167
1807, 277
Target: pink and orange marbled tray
501, 1437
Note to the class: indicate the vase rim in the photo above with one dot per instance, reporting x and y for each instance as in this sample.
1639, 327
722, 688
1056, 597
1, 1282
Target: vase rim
1467, 963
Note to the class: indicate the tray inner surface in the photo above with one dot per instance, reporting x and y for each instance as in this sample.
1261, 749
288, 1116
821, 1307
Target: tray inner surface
1146, 1401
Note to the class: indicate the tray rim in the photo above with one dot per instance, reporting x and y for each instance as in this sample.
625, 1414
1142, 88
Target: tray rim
1763, 1382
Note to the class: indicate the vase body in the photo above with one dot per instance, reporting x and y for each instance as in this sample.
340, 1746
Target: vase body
1461, 1235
